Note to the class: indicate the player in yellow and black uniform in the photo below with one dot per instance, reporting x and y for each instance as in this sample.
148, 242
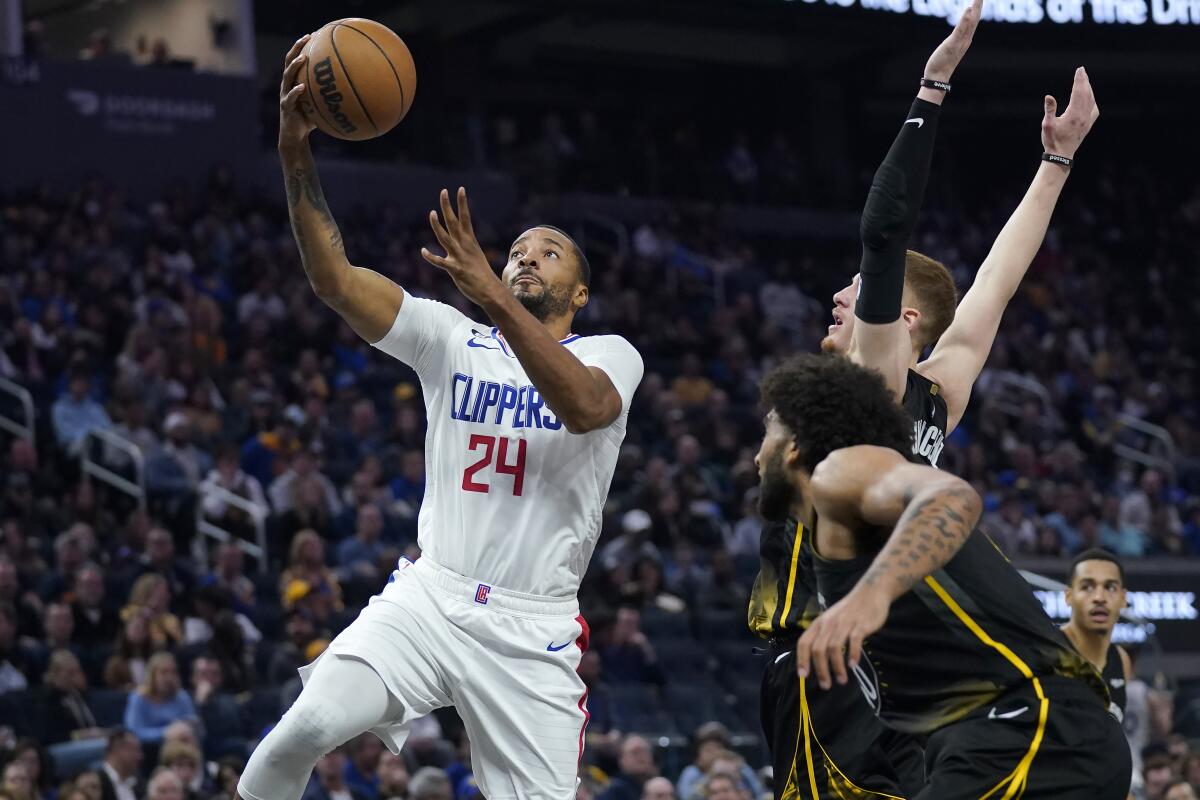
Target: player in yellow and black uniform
922, 612
831, 746
828, 744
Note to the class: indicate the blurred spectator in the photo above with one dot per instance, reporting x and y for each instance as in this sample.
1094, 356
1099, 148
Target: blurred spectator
303, 469
164, 785
430, 783
743, 538
1157, 775
599, 693
63, 712
159, 559
217, 710
159, 701
1138, 511
15, 659
1010, 528
362, 766
150, 599
359, 555
185, 761
90, 784
38, 768
632, 544
95, 623
393, 776
328, 781
658, 789
229, 575
126, 667
307, 574
16, 780
69, 554
712, 741
629, 655
720, 786
76, 413
228, 475
290, 655
1179, 789
636, 764
691, 388
119, 772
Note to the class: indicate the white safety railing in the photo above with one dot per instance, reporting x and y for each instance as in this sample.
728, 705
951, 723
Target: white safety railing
1009, 392
135, 488
257, 513
24, 428
1157, 448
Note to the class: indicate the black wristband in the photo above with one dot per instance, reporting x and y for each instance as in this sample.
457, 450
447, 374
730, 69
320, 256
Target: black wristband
930, 83
1062, 161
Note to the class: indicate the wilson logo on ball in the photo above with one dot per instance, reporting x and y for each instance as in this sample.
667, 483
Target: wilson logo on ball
323, 73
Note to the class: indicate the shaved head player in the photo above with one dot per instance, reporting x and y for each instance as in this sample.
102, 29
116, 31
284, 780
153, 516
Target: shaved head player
525, 420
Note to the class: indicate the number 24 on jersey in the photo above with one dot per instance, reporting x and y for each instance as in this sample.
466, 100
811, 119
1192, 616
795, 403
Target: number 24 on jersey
498, 447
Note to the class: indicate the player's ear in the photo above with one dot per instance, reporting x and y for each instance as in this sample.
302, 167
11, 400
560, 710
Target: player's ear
911, 317
581, 297
791, 455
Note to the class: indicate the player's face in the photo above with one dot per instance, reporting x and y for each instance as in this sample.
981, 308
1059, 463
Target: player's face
775, 491
542, 274
842, 329
1096, 596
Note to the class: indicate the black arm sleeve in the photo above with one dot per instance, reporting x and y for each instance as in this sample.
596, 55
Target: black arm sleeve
890, 215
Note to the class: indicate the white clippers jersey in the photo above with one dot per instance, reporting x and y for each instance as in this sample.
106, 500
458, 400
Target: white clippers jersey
512, 499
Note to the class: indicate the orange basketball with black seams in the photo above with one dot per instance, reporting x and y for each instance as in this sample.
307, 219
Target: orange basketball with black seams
359, 79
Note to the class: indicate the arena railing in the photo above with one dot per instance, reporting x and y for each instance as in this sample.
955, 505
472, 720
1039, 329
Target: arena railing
24, 428
207, 529
1008, 391
135, 488
1152, 435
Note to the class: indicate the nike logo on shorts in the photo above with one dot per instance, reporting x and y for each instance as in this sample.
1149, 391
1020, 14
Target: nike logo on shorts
554, 648
919, 120
782, 656
1007, 714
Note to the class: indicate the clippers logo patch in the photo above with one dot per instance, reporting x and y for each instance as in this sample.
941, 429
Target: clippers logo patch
481, 594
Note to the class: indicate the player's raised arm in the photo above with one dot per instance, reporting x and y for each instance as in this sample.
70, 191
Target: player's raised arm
367, 300
963, 349
583, 397
881, 340
929, 514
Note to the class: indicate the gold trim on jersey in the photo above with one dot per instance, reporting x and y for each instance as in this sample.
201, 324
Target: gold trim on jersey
1017, 779
838, 784
791, 586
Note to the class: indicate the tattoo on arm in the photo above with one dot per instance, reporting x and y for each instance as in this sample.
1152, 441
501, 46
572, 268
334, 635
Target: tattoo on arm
302, 183
927, 536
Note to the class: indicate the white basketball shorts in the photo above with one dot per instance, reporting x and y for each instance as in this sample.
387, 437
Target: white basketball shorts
506, 661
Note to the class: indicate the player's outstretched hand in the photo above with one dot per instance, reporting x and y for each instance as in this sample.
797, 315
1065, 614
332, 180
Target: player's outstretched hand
294, 125
1063, 135
834, 639
949, 53
464, 258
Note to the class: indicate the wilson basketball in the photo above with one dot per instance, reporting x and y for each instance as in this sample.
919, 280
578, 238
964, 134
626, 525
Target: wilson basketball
360, 79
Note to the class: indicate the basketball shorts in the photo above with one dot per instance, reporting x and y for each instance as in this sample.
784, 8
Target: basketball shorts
828, 744
1061, 745
506, 661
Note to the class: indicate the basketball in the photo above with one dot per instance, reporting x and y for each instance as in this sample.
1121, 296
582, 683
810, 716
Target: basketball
359, 79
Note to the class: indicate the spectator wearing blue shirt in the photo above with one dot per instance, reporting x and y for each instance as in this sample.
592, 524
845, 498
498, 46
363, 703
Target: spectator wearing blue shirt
76, 413
359, 555
361, 772
159, 701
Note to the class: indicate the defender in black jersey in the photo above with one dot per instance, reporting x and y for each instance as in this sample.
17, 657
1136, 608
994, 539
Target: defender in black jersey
920, 611
922, 308
831, 745
1096, 594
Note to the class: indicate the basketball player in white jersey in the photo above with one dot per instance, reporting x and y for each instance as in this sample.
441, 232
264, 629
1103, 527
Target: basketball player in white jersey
524, 424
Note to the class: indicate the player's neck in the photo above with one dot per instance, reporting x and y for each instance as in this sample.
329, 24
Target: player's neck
559, 327
1091, 645
916, 356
